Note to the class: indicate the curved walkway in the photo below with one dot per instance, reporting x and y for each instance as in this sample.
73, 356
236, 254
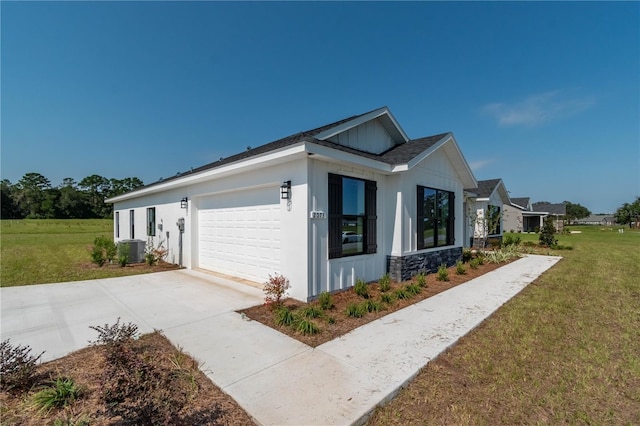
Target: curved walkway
275, 378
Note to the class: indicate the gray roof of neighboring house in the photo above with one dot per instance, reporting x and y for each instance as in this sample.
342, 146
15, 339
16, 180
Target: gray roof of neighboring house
485, 188
399, 154
522, 202
555, 209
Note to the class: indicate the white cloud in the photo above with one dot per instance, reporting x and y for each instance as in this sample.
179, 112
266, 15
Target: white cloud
477, 165
537, 109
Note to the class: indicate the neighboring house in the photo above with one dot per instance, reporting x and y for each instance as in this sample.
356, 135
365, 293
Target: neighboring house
595, 219
484, 213
557, 211
353, 199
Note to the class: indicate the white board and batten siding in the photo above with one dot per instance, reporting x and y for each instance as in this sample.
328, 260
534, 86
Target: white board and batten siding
369, 137
239, 233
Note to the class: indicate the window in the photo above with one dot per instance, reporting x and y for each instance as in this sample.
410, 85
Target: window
132, 226
435, 218
352, 216
493, 220
151, 221
117, 224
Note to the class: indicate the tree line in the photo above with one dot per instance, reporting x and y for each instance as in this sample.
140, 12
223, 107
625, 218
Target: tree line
628, 213
33, 197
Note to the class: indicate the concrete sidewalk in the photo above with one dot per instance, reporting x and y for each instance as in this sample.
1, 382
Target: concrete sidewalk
275, 378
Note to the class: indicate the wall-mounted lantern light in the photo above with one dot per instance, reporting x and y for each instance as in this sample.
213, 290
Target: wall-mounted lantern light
183, 203
285, 190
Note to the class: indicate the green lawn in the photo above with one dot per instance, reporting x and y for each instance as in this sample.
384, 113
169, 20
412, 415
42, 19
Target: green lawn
566, 350
48, 251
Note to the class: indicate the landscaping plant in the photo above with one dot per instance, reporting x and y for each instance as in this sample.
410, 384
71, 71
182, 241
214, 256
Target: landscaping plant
275, 290
443, 273
17, 366
325, 301
547, 234
460, 269
61, 393
361, 289
385, 283
421, 279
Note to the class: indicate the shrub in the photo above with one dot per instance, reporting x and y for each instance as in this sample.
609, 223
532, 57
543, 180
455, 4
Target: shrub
547, 236
154, 254
386, 298
474, 263
325, 300
371, 306
62, 393
412, 289
123, 254
331, 320
283, 316
460, 269
17, 366
103, 250
466, 255
361, 289
385, 283
480, 258
495, 243
421, 279
116, 334
275, 289
355, 311
510, 240
561, 247
443, 273
310, 312
401, 294
307, 327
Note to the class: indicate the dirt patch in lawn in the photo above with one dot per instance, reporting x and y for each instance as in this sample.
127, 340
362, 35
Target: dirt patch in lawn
130, 268
206, 403
335, 322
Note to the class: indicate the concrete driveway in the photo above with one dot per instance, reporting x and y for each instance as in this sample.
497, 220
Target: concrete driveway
275, 378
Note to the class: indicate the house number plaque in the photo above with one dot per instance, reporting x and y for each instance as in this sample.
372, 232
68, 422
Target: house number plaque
316, 214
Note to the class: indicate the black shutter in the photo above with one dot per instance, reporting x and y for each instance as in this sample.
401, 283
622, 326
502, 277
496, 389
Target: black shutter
335, 216
371, 218
452, 219
420, 218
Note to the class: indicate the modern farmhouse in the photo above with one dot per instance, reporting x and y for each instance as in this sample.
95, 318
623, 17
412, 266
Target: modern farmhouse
352, 199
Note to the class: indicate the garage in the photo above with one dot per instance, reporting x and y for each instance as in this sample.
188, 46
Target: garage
239, 233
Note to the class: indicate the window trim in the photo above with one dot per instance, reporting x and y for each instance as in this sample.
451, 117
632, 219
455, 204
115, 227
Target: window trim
336, 216
420, 215
151, 221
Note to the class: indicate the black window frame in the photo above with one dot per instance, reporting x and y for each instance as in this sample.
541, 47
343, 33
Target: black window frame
117, 219
337, 217
151, 221
132, 224
421, 215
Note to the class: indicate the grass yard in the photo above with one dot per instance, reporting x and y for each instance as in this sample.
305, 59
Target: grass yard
42, 251
565, 350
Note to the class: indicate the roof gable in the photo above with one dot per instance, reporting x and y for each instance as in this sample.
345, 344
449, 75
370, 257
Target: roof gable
521, 202
555, 209
487, 188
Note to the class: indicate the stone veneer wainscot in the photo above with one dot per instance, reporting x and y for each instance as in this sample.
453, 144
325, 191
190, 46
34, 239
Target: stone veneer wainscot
402, 268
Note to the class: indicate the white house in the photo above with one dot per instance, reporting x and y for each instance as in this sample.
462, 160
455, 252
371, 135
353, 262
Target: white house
353, 199
484, 210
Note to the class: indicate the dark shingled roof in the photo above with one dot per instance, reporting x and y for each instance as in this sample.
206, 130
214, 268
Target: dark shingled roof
399, 154
557, 209
522, 202
485, 188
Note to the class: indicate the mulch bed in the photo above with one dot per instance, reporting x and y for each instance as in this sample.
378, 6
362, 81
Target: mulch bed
343, 323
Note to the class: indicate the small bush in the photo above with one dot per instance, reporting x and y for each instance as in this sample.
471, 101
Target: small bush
401, 294
307, 327
385, 283
361, 289
561, 247
466, 255
115, 334
460, 269
386, 298
17, 366
123, 254
371, 306
412, 289
331, 320
443, 273
495, 243
103, 250
480, 258
421, 280
355, 311
275, 290
283, 316
474, 263
510, 240
97, 256
310, 312
62, 393
325, 300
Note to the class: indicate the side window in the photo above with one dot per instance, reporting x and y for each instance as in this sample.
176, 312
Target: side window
117, 224
435, 219
493, 220
132, 224
352, 216
151, 222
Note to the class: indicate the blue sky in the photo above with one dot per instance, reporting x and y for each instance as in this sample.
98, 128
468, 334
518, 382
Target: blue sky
544, 95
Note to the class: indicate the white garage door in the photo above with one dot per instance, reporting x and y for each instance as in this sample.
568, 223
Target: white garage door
239, 233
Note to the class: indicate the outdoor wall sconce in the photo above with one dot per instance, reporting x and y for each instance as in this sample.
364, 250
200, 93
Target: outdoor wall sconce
285, 190
183, 203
